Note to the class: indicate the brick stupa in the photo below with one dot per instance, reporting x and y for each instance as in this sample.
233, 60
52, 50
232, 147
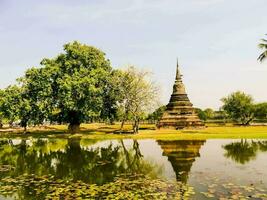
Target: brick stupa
179, 113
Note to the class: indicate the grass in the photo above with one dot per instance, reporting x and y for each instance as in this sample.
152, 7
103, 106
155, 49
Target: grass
102, 131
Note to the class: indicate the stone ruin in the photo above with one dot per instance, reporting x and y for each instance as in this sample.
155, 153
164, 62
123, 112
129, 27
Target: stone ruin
179, 113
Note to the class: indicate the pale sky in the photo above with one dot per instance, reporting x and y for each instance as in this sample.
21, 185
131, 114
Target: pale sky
215, 40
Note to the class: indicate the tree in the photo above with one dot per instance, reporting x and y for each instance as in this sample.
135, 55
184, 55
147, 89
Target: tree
201, 114
157, 114
36, 97
138, 95
239, 107
263, 46
209, 113
261, 110
11, 103
16, 106
74, 84
111, 95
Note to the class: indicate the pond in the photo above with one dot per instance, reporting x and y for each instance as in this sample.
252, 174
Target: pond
133, 169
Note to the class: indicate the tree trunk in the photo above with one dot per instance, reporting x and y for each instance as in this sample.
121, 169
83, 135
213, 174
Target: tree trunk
248, 121
123, 121
124, 118
24, 129
74, 128
23, 124
1, 123
122, 124
11, 123
136, 126
112, 121
74, 121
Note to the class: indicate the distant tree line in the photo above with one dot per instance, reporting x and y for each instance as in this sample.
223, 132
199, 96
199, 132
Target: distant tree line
78, 86
237, 107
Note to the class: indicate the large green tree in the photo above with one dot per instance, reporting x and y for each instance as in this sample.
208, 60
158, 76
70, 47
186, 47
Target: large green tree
74, 84
263, 46
239, 107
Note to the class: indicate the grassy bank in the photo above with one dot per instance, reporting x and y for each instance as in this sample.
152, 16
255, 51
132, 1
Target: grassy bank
102, 131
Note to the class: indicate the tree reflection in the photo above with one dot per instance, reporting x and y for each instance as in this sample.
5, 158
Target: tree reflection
244, 151
134, 161
68, 159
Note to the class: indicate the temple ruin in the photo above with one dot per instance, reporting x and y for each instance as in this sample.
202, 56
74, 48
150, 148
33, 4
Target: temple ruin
179, 113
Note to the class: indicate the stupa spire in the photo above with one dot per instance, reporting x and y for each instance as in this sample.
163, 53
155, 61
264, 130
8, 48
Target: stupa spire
178, 74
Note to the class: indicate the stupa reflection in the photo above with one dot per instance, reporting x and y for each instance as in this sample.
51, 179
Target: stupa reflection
181, 154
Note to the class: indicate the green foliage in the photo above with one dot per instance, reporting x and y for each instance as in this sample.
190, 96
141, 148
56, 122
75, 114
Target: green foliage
11, 103
239, 106
70, 88
157, 114
205, 114
261, 110
220, 115
138, 95
201, 114
36, 96
209, 113
263, 46
111, 95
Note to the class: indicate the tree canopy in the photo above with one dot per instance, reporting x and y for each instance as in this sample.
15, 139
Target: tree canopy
11, 103
70, 86
261, 110
138, 95
239, 107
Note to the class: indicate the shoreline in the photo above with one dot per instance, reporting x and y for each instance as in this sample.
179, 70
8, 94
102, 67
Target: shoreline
106, 132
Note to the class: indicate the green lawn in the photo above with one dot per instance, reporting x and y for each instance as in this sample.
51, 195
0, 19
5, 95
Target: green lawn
102, 131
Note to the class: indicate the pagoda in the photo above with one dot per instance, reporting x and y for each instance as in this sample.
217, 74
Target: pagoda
179, 113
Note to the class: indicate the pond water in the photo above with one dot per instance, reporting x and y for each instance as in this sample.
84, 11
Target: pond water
127, 169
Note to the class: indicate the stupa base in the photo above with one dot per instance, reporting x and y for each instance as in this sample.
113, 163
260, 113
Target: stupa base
181, 125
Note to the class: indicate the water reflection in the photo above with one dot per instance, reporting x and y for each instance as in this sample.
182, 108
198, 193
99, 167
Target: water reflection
245, 150
181, 154
74, 159
100, 162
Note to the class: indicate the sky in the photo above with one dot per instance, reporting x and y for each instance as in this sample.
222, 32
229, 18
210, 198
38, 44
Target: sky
214, 40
